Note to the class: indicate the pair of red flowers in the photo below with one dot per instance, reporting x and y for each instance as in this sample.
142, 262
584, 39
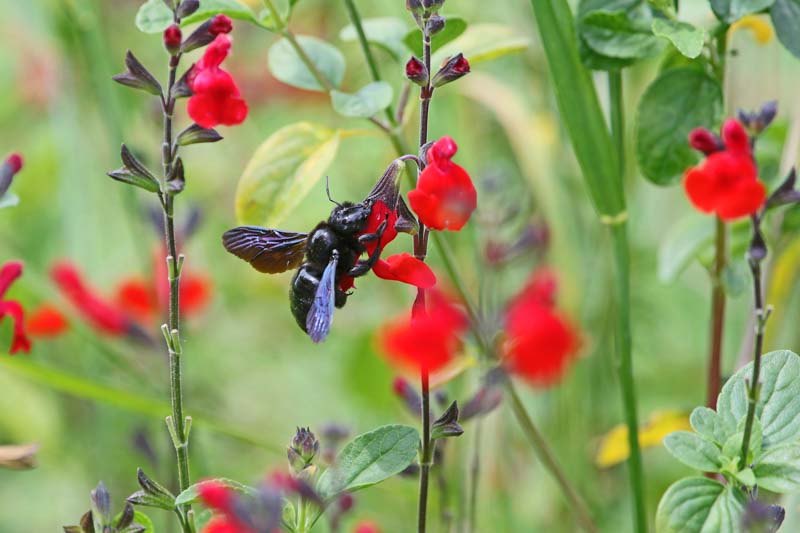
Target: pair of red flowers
726, 183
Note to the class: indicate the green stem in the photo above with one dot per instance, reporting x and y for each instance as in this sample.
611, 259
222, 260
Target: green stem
617, 113
619, 235
427, 453
717, 316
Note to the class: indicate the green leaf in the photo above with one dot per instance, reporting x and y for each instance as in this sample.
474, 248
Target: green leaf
482, 42
454, 27
778, 407
683, 243
209, 8
707, 423
385, 32
287, 66
282, 172
736, 278
596, 61
678, 101
153, 17
785, 15
579, 107
587, 6
778, 469
368, 101
615, 34
192, 494
700, 505
745, 477
730, 11
369, 459
693, 450
685, 37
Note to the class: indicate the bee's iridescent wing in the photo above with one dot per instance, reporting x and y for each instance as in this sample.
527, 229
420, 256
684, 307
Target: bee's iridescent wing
268, 250
320, 316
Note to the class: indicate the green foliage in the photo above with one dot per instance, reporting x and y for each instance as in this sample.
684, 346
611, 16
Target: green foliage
369, 459
685, 37
785, 16
730, 11
385, 32
192, 494
693, 450
153, 17
367, 102
483, 42
678, 101
232, 8
684, 241
9, 199
139, 519
288, 66
454, 27
283, 170
698, 504
616, 34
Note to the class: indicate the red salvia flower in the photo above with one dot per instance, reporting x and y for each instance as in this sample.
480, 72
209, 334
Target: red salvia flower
216, 99
220, 24
100, 313
726, 183
46, 322
380, 212
429, 339
444, 197
367, 527
136, 297
8, 275
540, 343
407, 269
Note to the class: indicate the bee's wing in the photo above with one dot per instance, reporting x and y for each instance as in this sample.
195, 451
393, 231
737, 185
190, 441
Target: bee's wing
320, 316
268, 250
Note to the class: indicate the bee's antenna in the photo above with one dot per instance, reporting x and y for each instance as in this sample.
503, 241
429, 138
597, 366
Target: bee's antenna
328, 191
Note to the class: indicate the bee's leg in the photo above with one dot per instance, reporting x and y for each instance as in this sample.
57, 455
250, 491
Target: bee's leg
369, 237
340, 298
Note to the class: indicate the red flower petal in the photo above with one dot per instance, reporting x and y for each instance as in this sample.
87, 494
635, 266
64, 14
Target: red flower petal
8, 275
700, 189
46, 321
195, 293
216, 99
102, 315
380, 212
744, 199
735, 137
407, 269
540, 288
20, 341
367, 527
217, 496
136, 298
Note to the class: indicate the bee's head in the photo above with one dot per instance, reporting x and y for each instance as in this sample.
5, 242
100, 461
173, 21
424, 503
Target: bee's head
349, 218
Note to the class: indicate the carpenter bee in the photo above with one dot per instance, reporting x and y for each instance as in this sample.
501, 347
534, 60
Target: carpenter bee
327, 258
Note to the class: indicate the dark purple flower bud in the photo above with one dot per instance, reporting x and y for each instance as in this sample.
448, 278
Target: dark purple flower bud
415, 6
207, 32
172, 39
486, 400
101, 503
435, 24
758, 121
705, 141
187, 7
302, 450
456, 67
417, 72
785, 193
10, 167
411, 398
760, 517
767, 113
432, 5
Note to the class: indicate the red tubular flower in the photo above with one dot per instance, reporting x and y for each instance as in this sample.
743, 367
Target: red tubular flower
216, 99
428, 340
101, 314
136, 298
366, 527
14, 162
726, 183
195, 293
445, 197
407, 269
380, 212
8, 274
540, 342
220, 24
46, 322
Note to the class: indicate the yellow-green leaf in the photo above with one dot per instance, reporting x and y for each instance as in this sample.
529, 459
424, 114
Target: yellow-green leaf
282, 172
482, 42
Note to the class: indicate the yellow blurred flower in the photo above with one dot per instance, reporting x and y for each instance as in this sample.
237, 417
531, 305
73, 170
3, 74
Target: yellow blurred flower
614, 447
759, 25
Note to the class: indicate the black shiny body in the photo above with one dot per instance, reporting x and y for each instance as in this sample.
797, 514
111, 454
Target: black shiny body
339, 233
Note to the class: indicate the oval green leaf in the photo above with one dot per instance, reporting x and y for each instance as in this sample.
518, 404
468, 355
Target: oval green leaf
482, 42
700, 505
287, 65
385, 32
282, 172
778, 469
707, 423
686, 38
678, 101
693, 450
615, 34
367, 102
192, 494
369, 459
454, 27
785, 15
153, 17
730, 11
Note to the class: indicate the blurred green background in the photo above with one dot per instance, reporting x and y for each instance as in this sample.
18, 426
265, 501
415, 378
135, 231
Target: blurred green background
247, 366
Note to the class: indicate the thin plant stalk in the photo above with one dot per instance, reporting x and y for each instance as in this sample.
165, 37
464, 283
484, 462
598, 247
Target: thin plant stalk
475, 473
426, 453
717, 316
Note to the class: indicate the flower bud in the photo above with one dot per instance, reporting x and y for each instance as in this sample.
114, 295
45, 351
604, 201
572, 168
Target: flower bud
415, 6
417, 72
172, 39
207, 32
187, 7
435, 24
302, 450
432, 5
410, 397
101, 503
14, 161
704, 141
220, 24
758, 121
455, 68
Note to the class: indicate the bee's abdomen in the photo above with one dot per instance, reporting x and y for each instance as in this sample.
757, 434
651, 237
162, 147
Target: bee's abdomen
301, 292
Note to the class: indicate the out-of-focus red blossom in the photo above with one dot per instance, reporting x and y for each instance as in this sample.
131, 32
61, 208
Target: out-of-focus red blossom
9, 273
726, 183
405, 268
216, 98
14, 161
222, 500
220, 24
429, 339
46, 321
445, 196
367, 527
540, 342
